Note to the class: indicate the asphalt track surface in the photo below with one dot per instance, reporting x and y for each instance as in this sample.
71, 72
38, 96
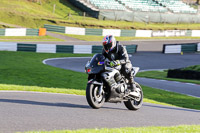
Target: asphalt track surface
27, 111
146, 61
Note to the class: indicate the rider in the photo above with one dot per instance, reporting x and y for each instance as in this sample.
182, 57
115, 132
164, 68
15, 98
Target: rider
117, 54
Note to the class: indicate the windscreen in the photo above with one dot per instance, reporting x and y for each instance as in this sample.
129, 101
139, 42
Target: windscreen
97, 58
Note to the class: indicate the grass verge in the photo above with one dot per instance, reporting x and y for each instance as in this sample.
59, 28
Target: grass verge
173, 129
25, 71
34, 14
28, 38
163, 75
193, 68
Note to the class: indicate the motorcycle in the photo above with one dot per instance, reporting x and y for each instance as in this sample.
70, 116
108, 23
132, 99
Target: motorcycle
102, 77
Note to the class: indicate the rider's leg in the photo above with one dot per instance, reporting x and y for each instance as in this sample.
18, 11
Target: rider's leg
127, 71
112, 78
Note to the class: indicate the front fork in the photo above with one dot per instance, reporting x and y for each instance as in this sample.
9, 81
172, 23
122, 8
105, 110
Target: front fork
100, 84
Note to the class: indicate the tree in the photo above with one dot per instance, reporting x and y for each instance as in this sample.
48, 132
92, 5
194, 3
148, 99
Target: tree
197, 2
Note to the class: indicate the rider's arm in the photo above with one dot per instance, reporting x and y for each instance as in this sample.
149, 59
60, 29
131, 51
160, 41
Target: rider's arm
124, 55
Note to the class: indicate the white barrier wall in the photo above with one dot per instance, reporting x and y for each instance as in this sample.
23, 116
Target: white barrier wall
75, 30
143, 33
195, 33
169, 33
172, 49
8, 46
114, 32
198, 47
49, 48
85, 49
15, 32
46, 48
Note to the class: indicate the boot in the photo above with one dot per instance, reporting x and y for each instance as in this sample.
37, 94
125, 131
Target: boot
118, 89
133, 89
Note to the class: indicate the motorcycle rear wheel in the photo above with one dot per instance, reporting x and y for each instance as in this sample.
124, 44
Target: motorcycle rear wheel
93, 98
135, 104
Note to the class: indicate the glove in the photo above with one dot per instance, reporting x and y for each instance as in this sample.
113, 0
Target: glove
114, 63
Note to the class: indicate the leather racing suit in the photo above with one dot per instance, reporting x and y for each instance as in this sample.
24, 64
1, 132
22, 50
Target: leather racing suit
120, 53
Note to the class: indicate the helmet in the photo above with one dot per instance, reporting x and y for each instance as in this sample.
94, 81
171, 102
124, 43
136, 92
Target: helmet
109, 43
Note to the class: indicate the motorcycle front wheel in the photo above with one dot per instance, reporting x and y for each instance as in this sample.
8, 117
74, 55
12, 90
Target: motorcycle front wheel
94, 99
137, 103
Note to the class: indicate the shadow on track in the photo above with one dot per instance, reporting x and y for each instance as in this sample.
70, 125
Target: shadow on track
43, 103
68, 105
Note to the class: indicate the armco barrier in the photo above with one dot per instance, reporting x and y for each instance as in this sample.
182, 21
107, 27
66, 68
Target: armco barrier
26, 47
143, 33
198, 47
192, 47
122, 32
85, 49
55, 28
2, 32
178, 48
195, 33
131, 48
95, 32
53, 48
64, 49
8, 46
46, 48
114, 32
19, 32
32, 32
167, 49
130, 33
75, 30
15, 32
97, 49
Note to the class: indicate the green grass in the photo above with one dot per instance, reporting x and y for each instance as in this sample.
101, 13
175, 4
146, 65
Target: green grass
172, 129
193, 68
35, 15
25, 71
171, 98
26, 68
7, 87
99, 38
163, 75
28, 39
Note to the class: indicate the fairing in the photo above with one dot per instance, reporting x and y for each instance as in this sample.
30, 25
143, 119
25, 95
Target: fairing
95, 65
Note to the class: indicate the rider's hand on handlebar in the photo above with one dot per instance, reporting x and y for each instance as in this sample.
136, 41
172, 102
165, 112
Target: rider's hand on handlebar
114, 63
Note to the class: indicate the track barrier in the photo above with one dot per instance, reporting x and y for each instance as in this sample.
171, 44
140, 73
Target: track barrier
181, 48
20, 32
53, 48
122, 32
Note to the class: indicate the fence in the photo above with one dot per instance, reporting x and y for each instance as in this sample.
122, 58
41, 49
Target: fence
149, 17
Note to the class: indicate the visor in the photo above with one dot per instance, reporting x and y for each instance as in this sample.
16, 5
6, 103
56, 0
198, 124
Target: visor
107, 46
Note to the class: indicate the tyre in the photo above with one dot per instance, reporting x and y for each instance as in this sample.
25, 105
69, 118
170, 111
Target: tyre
136, 103
94, 99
